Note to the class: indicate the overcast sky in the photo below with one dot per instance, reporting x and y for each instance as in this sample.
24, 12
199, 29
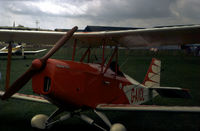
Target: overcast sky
68, 13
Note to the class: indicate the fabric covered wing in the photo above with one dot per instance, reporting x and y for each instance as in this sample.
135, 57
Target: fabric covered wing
27, 97
127, 38
33, 37
143, 37
147, 108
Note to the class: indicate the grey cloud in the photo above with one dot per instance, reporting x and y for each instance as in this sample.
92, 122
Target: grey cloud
133, 8
106, 8
32, 8
106, 12
189, 9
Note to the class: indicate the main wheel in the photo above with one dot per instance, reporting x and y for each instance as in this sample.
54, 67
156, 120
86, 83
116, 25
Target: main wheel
39, 121
117, 127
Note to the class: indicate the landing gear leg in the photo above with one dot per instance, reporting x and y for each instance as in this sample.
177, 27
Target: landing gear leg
114, 127
43, 122
54, 114
90, 121
104, 118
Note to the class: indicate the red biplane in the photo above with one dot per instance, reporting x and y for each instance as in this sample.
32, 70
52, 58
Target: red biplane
75, 86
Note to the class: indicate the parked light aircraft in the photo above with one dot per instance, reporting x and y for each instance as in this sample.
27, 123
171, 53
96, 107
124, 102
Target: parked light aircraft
18, 50
76, 86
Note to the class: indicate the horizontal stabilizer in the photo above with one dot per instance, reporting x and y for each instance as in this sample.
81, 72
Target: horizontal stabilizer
172, 92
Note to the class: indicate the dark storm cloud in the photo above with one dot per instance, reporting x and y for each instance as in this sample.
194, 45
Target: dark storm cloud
109, 11
104, 8
17, 7
104, 12
188, 8
134, 8
42, 8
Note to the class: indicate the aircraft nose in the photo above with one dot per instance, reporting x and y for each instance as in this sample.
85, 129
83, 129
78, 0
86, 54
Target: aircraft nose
37, 64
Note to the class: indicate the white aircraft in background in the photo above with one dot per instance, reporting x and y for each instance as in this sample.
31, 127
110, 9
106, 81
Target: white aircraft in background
18, 50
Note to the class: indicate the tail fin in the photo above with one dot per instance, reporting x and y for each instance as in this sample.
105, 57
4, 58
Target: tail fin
152, 78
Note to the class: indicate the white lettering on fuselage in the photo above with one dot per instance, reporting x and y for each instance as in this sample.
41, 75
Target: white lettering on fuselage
137, 95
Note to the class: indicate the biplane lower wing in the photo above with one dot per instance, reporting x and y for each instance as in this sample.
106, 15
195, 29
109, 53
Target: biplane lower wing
25, 97
147, 108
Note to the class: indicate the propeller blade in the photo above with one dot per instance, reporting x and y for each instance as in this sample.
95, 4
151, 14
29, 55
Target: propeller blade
8, 65
37, 65
19, 83
59, 44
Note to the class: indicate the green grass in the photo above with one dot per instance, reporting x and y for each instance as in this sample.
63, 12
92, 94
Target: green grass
179, 70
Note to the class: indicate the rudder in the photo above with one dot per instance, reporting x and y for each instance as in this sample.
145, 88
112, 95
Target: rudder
152, 78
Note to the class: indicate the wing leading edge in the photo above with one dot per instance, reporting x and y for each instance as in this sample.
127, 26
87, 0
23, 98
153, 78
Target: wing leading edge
126, 38
148, 108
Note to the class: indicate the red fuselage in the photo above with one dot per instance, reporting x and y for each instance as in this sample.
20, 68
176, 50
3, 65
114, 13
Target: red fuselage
76, 85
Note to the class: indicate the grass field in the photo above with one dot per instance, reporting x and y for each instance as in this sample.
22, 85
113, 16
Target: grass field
179, 70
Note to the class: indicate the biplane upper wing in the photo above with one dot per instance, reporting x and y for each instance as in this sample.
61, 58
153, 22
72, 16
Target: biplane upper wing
25, 97
147, 108
128, 38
